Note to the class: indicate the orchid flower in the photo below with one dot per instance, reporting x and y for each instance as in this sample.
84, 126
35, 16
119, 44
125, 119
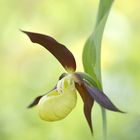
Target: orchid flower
60, 101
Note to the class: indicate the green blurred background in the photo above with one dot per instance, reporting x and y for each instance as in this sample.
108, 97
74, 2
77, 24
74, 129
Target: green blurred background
28, 70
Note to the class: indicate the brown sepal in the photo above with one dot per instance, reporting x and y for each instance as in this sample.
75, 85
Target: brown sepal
87, 100
62, 54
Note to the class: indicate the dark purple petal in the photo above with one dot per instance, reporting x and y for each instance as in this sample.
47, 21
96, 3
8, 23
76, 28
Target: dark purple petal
87, 99
63, 55
36, 100
101, 98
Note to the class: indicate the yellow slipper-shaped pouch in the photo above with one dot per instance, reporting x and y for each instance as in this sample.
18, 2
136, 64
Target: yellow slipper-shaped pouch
57, 104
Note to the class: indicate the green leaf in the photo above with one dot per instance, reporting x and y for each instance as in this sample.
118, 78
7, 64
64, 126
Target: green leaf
92, 49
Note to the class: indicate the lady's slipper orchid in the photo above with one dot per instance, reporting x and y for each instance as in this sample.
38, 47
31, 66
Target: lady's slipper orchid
58, 103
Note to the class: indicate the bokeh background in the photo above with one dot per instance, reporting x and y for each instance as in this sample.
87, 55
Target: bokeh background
28, 70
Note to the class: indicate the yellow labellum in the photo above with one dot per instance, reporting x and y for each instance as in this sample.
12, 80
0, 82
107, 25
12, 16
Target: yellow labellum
57, 104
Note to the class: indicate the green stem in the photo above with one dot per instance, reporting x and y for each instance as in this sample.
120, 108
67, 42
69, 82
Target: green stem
103, 12
104, 120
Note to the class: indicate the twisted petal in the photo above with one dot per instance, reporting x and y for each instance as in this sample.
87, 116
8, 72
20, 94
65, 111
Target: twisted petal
36, 100
101, 98
62, 54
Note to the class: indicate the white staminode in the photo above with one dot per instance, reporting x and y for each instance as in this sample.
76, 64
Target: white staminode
66, 83
57, 104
